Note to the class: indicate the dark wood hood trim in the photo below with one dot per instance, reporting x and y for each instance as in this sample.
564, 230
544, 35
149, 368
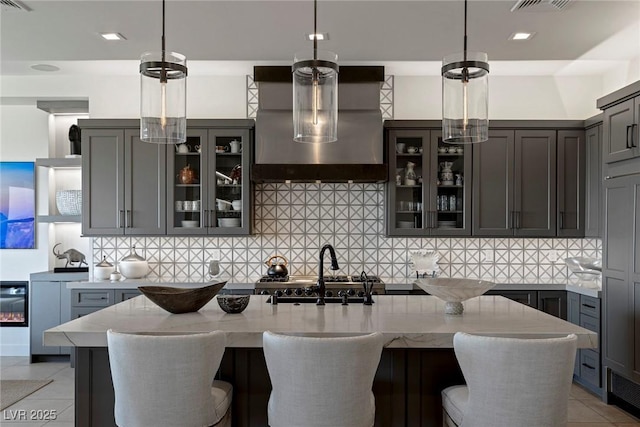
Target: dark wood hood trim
357, 173
347, 74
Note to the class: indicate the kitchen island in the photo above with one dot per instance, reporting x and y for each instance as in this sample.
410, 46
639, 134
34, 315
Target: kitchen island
417, 363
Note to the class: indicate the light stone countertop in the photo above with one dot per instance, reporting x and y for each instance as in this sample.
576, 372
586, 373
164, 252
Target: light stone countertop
590, 288
174, 281
406, 321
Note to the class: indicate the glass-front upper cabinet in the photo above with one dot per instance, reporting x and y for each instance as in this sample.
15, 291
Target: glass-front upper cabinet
426, 193
209, 187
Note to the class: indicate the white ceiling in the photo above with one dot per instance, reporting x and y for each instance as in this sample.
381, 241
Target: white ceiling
411, 37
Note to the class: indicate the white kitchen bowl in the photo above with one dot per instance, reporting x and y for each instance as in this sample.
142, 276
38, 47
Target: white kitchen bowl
190, 224
69, 202
453, 291
237, 205
102, 273
133, 269
223, 205
229, 222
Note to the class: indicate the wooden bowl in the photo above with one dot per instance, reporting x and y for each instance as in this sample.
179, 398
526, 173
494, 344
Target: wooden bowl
181, 300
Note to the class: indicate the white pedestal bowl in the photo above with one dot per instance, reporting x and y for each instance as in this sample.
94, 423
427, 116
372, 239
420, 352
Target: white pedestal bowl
454, 291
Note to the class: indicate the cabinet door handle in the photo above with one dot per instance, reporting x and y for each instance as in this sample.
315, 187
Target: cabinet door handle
518, 219
589, 306
631, 139
627, 142
561, 220
129, 219
211, 222
121, 219
510, 219
205, 220
586, 365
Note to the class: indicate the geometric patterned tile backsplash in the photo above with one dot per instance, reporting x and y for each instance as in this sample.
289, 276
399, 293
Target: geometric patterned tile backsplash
295, 220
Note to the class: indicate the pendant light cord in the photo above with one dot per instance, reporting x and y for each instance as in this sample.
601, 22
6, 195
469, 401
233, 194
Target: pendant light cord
315, 29
465, 30
163, 73
465, 70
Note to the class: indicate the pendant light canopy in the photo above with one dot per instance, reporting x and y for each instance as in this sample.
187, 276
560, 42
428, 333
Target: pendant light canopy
465, 95
163, 95
315, 94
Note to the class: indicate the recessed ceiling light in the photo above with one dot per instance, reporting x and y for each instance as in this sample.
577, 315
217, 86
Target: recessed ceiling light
521, 36
112, 36
318, 36
45, 67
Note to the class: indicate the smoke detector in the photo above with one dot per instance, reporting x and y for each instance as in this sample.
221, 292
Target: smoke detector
540, 5
13, 5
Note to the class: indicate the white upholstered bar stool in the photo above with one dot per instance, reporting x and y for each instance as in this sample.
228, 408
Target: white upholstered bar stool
511, 382
322, 381
168, 380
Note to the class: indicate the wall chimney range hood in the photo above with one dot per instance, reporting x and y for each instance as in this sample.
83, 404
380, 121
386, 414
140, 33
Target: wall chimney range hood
357, 155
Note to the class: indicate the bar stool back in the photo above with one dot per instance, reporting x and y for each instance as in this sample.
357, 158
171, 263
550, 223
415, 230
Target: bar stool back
322, 381
168, 380
511, 382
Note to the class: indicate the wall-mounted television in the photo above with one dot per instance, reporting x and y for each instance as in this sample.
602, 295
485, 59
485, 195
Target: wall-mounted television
17, 205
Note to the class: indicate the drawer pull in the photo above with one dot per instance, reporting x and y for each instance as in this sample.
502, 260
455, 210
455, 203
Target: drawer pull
96, 299
589, 306
586, 365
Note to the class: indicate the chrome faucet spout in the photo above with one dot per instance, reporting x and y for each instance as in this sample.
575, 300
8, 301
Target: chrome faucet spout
320, 287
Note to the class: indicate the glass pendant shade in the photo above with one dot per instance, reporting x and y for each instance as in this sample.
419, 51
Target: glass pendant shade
465, 98
163, 98
315, 98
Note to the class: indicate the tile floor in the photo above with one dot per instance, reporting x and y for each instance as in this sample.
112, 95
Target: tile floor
585, 410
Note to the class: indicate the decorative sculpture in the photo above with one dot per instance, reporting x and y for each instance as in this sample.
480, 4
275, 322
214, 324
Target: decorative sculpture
71, 255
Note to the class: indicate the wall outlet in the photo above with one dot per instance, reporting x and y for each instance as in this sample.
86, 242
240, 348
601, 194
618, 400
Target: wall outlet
552, 255
487, 255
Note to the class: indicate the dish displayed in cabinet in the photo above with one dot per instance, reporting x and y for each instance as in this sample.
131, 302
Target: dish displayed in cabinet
187, 194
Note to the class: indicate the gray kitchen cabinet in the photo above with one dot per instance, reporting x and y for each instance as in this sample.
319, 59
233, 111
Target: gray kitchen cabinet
573, 316
50, 307
529, 298
584, 310
87, 301
493, 185
123, 180
514, 184
593, 182
432, 205
621, 275
553, 303
621, 123
571, 183
126, 294
211, 157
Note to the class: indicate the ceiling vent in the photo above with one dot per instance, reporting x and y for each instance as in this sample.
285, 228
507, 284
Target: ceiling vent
13, 5
540, 5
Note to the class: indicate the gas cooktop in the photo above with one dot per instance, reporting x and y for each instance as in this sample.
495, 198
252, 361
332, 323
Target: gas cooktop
310, 280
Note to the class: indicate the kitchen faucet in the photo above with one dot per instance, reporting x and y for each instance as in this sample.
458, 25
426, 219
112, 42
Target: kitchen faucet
334, 266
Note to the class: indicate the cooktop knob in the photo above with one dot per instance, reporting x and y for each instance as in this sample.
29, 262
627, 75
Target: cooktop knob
329, 293
298, 291
360, 294
278, 293
351, 292
288, 291
264, 292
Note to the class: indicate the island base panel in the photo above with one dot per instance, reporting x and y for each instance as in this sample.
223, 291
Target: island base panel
407, 386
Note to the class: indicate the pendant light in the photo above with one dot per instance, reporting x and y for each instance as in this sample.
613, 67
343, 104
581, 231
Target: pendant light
163, 95
465, 93
315, 93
